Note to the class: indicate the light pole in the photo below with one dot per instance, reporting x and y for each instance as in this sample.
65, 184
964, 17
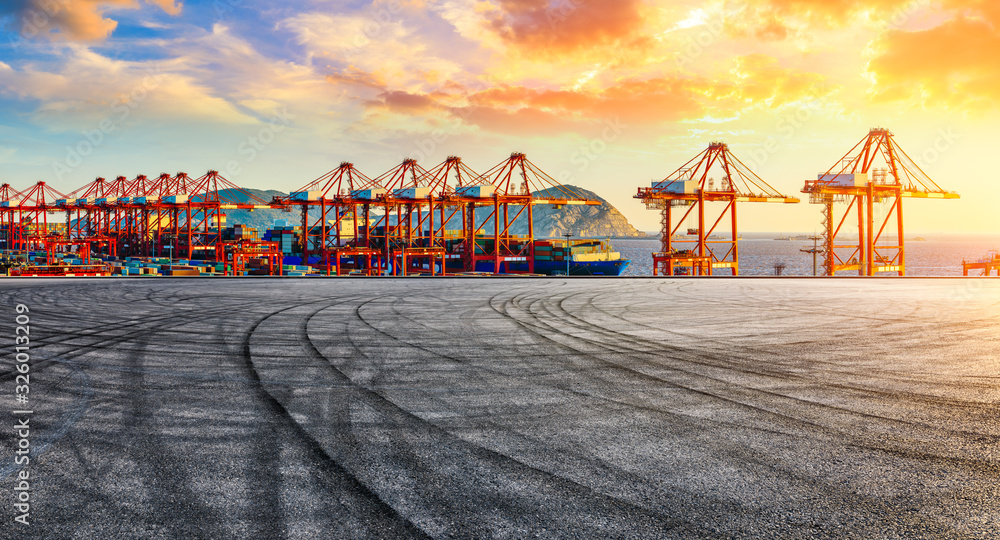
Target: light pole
815, 251
566, 254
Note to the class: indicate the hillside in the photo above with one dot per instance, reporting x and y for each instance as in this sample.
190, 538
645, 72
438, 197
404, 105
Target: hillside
261, 220
583, 221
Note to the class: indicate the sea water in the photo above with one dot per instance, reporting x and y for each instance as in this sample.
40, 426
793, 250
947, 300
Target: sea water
938, 255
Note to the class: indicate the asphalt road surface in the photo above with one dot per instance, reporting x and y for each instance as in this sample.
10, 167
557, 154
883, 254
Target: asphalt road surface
505, 408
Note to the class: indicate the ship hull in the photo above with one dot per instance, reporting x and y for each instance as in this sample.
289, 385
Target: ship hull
554, 268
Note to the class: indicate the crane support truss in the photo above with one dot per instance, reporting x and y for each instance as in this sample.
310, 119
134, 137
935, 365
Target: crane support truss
235, 255
876, 170
512, 182
410, 219
690, 196
405, 214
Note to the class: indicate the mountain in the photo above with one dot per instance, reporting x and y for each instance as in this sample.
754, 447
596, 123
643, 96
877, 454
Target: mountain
261, 220
582, 221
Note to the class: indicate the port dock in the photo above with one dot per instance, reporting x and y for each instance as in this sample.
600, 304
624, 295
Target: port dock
443, 408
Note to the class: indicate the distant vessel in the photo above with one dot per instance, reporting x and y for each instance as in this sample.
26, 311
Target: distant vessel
583, 268
587, 257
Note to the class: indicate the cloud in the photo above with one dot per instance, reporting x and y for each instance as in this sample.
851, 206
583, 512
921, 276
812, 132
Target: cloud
952, 65
354, 76
404, 102
72, 20
781, 19
87, 87
172, 7
755, 81
380, 44
544, 28
518, 122
760, 80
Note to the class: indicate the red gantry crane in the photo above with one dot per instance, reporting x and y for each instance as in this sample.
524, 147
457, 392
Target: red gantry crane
509, 192
417, 241
211, 195
8, 208
688, 192
407, 198
32, 206
179, 216
454, 184
336, 213
876, 170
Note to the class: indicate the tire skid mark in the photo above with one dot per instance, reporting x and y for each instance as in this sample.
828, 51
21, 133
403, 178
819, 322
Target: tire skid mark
848, 497
418, 432
761, 371
862, 391
45, 441
901, 447
163, 474
886, 375
378, 510
141, 325
563, 315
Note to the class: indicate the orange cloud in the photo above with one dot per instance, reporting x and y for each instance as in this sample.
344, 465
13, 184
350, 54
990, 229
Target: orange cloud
985, 9
542, 27
170, 6
755, 81
761, 80
952, 65
72, 20
521, 122
643, 102
779, 19
405, 102
354, 76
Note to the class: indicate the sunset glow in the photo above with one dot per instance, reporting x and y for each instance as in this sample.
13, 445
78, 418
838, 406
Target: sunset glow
603, 94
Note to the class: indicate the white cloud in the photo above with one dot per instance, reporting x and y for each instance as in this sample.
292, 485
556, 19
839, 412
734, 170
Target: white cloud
387, 49
86, 87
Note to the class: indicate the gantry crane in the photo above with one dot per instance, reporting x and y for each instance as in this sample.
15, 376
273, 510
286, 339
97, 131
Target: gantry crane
32, 207
451, 181
510, 192
876, 170
408, 198
347, 195
8, 208
182, 216
690, 189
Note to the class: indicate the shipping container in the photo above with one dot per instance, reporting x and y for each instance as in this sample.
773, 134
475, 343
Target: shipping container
680, 187
306, 195
176, 199
476, 191
368, 194
845, 180
412, 193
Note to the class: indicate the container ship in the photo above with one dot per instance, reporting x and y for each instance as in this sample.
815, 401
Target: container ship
585, 257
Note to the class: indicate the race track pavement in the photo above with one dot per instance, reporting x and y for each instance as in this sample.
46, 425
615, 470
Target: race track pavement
509, 408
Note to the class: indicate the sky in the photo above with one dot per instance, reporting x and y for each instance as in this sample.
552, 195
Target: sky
608, 95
